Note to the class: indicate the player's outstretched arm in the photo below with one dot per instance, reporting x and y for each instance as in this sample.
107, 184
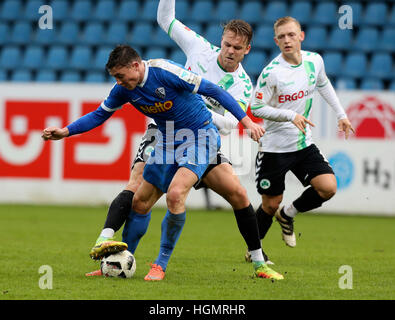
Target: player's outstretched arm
85, 123
166, 14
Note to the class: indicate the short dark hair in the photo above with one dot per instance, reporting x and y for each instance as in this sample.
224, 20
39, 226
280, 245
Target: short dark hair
240, 28
122, 56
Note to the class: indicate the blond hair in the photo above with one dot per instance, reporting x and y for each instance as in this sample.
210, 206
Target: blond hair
285, 20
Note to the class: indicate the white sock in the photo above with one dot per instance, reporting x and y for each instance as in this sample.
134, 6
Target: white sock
107, 233
256, 255
290, 210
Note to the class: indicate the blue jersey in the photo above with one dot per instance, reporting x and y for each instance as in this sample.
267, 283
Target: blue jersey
167, 93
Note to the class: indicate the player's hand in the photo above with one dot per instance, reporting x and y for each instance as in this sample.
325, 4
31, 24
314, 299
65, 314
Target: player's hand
301, 122
54, 133
254, 130
345, 126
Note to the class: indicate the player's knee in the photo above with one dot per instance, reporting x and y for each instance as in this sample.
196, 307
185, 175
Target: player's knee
327, 192
238, 196
270, 206
139, 205
174, 197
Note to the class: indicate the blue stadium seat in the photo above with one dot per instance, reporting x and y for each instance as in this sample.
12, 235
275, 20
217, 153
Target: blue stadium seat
116, 33
21, 33
81, 11
21, 76
60, 10
10, 57
366, 39
104, 11
33, 57
263, 37
315, 39
202, 11
100, 58
149, 10
346, 84
274, 10
45, 36
45, 76
177, 55
95, 77
213, 34
325, 14
3, 75
340, 39
70, 76
392, 85
251, 11
391, 18
142, 34
68, 34
301, 10
372, 84
273, 54
31, 10
387, 39
161, 38
80, 58
92, 34
357, 12
57, 58
333, 63
381, 66
253, 63
182, 10
4, 33
375, 14
226, 10
10, 10
128, 10
355, 65
155, 53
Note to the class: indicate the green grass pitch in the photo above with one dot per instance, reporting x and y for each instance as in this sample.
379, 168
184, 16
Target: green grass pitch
207, 264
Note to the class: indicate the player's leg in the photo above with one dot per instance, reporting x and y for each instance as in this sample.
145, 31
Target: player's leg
173, 222
222, 179
271, 169
311, 168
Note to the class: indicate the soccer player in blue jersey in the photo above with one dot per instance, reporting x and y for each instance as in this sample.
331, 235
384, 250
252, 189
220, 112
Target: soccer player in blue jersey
188, 141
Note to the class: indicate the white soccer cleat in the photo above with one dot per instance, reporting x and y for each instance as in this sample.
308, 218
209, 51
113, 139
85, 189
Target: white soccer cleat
287, 226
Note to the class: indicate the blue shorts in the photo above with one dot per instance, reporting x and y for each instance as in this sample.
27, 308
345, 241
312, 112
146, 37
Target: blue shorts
192, 150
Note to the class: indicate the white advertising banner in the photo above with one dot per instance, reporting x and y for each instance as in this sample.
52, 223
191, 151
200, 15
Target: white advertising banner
93, 168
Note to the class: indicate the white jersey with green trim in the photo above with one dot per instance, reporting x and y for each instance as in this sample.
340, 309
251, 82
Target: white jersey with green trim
287, 90
202, 58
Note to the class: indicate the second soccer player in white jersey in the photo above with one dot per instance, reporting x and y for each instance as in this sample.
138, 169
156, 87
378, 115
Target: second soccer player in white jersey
283, 97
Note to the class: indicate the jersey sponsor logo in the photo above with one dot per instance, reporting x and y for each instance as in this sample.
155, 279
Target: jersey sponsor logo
259, 95
292, 97
158, 107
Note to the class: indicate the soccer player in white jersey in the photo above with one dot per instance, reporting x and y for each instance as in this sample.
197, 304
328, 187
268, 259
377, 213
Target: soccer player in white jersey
221, 66
283, 98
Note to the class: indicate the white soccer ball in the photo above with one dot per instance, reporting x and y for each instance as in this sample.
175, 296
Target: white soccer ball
121, 265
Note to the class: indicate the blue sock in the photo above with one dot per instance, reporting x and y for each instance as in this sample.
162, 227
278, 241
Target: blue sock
135, 227
172, 225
